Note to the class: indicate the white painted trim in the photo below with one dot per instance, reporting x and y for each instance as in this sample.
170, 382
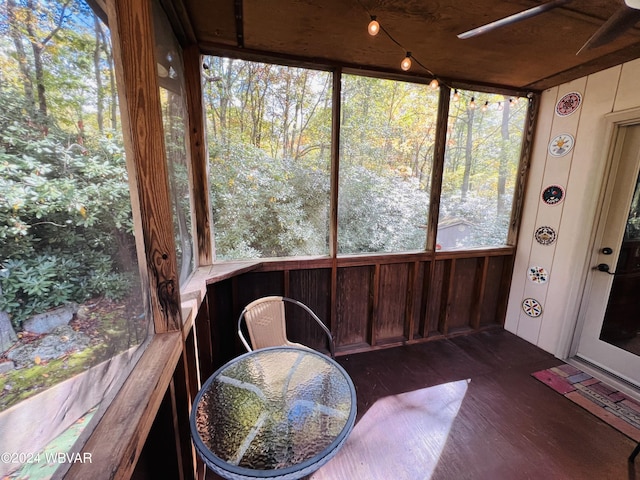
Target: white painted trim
572, 328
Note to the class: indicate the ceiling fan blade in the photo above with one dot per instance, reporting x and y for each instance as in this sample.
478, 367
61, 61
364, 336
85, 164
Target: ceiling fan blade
516, 17
623, 19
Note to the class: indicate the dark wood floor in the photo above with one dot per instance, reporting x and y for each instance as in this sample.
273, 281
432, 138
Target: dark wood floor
468, 408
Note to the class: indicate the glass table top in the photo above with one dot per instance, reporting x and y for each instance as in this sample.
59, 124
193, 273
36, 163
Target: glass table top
275, 412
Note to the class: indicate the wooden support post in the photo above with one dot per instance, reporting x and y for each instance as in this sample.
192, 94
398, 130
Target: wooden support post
523, 170
133, 51
199, 181
438, 167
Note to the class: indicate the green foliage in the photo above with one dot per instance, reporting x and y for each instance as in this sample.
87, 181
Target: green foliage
380, 213
270, 142
65, 216
267, 207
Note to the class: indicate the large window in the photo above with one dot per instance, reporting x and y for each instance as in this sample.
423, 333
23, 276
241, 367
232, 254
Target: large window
387, 136
71, 308
484, 137
270, 144
269, 130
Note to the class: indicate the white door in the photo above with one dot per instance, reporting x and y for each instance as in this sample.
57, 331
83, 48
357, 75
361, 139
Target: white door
610, 336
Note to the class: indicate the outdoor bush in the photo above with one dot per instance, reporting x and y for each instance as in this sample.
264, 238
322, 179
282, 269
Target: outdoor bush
65, 216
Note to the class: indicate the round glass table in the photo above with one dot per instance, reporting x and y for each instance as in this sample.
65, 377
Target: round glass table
279, 412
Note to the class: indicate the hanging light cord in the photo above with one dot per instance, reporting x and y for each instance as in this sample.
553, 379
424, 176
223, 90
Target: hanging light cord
436, 81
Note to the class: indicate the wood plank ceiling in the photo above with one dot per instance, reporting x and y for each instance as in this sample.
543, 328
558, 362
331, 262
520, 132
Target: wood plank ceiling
534, 54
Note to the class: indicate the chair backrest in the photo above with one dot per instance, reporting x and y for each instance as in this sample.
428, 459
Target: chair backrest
266, 325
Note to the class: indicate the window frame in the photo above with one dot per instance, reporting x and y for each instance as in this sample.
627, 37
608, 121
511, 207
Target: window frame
445, 89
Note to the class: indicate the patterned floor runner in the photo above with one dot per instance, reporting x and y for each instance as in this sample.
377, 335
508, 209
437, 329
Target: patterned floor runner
607, 403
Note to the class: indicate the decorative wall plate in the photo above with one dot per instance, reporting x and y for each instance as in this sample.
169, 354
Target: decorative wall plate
553, 194
561, 145
538, 275
532, 307
568, 104
545, 235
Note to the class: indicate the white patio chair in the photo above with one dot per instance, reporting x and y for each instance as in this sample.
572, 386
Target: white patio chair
265, 320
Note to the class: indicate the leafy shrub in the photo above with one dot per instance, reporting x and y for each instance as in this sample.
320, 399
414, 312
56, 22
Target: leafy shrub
65, 216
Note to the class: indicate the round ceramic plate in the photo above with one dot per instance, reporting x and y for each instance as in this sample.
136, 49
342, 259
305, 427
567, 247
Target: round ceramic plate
538, 275
553, 195
561, 145
532, 307
568, 104
545, 235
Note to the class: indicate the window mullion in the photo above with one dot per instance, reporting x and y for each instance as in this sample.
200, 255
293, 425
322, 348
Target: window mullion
438, 166
335, 161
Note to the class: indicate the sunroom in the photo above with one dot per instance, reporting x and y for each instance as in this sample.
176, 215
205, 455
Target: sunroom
460, 211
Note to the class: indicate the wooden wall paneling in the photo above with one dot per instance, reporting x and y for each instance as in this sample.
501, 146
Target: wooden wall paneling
198, 166
373, 322
141, 115
391, 321
181, 399
436, 297
192, 363
353, 307
422, 327
414, 302
505, 288
447, 296
223, 323
462, 294
204, 348
158, 458
254, 285
286, 287
494, 296
479, 291
311, 287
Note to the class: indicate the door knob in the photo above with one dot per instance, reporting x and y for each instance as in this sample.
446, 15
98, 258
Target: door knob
603, 267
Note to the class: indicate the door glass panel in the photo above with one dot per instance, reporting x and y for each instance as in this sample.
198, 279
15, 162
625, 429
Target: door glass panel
621, 326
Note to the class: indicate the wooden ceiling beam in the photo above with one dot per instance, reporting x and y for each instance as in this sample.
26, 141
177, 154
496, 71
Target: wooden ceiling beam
238, 12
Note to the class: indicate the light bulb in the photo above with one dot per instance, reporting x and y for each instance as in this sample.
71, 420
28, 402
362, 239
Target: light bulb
485, 107
500, 107
456, 95
434, 84
472, 103
406, 63
374, 26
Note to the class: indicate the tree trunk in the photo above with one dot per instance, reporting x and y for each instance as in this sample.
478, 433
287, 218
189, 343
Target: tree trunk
504, 160
468, 157
25, 69
98, 73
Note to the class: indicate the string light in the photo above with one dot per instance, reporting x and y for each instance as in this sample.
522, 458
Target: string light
406, 63
374, 26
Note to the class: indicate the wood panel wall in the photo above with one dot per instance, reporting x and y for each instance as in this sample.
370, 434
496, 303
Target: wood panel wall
379, 301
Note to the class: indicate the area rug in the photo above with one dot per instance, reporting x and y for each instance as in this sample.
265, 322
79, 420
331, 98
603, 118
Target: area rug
604, 401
